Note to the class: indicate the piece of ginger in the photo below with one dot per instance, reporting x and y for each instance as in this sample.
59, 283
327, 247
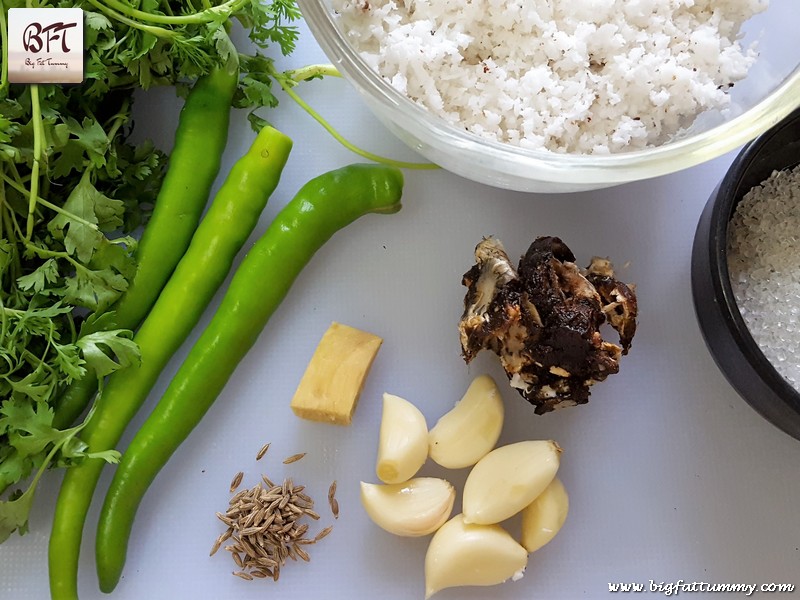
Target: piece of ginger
334, 378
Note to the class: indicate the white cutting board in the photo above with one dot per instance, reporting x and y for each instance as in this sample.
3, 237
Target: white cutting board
671, 475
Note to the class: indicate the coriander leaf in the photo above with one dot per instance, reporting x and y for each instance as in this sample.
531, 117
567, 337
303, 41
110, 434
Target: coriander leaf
101, 348
13, 467
270, 24
117, 256
80, 236
70, 158
69, 361
98, 322
6, 255
41, 278
58, 135
41, 315
108, 212
257, 92
15, 511
87, 212
14, 514
95, 21
256, 123
94, 289
144, 162
8, 129
91, 137
76, 449
255, 88
30, 386
28, 426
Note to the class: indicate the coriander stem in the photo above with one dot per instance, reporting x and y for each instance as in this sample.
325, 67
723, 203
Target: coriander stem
54, 254
67, 214
42, 252
4, 44
45, 203
344, 142
119, 119
15, 172
3, 335
73, 332
38, 362
85, 108
311, 71
3, 207
156, 31
204, 16
8, 220
36, 119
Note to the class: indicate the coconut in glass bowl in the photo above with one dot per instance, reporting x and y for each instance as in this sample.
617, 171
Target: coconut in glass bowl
559, 113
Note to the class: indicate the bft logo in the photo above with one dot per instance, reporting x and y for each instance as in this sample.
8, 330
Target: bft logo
45, 45
32, 36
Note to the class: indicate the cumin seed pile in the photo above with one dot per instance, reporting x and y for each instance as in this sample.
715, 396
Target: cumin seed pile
264, 526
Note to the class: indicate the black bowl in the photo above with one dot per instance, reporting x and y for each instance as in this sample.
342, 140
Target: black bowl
726, 335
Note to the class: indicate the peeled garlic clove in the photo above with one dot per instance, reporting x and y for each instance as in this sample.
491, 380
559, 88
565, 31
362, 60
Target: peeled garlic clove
543, 518
461, 554
412, 509
507, 479
403, 443
471, 429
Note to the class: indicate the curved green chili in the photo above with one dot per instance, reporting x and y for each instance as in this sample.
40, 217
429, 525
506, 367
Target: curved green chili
227, 225
322, 207
193, 166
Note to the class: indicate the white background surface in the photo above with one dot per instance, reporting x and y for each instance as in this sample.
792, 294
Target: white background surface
671, 475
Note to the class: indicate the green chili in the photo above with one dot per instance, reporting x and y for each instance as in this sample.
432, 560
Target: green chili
193, 166
225, 228
322, 207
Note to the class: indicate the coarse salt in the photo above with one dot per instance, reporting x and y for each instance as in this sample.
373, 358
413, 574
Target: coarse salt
764, 268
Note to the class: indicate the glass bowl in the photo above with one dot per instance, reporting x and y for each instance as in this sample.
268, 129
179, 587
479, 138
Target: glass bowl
769, 93
726, 334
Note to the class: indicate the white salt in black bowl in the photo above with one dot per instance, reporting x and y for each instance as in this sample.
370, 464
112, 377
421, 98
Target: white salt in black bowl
726, 333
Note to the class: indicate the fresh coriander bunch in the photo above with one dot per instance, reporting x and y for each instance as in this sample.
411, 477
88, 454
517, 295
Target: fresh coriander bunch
73, 191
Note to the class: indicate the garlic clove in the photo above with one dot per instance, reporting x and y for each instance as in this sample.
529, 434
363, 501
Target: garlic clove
543, 518
414, 508
507, 479
462, 554
471, 429
403, 442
